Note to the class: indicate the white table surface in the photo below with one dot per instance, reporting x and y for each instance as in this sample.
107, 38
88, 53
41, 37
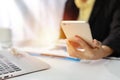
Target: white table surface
70, 70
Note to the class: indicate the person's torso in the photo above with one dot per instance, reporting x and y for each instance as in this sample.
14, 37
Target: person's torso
100, 19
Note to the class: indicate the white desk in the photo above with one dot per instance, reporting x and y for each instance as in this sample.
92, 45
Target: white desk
69, 70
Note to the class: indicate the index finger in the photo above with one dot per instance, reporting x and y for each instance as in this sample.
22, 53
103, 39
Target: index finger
82, 42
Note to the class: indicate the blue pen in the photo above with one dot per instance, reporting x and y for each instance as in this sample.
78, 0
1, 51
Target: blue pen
55, 56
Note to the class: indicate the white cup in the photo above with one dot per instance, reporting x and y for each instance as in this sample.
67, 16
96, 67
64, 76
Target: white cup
5, 37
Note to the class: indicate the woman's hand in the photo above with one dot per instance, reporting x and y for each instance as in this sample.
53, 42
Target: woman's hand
79, 48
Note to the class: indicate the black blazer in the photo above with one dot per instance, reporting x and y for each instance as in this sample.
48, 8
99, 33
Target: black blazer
104, 21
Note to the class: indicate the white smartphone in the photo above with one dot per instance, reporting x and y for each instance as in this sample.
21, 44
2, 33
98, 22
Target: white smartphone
80, 28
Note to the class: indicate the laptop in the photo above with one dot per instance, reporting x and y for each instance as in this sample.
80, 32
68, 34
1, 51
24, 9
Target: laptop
12, 66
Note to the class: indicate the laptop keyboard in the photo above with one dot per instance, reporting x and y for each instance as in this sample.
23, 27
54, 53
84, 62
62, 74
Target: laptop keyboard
6, 66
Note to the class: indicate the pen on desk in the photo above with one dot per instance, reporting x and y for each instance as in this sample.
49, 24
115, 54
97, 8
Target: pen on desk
55, 56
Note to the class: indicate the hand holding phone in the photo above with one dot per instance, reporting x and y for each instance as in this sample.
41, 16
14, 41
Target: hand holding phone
80, 28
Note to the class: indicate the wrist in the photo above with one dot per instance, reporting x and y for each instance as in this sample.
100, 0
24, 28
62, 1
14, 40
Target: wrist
107, 50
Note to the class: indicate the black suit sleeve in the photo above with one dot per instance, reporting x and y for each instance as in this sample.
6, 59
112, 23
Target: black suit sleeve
113, 40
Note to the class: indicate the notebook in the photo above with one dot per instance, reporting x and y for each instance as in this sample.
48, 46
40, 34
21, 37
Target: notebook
13, 66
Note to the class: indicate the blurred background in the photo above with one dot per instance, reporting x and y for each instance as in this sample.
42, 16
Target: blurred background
32, 22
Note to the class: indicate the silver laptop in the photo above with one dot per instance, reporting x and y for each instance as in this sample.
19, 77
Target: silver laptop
11, 65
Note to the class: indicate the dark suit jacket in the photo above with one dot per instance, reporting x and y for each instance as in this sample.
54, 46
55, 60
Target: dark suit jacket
104, 21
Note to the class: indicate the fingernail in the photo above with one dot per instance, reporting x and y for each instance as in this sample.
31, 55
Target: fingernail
95, 40
77, 36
